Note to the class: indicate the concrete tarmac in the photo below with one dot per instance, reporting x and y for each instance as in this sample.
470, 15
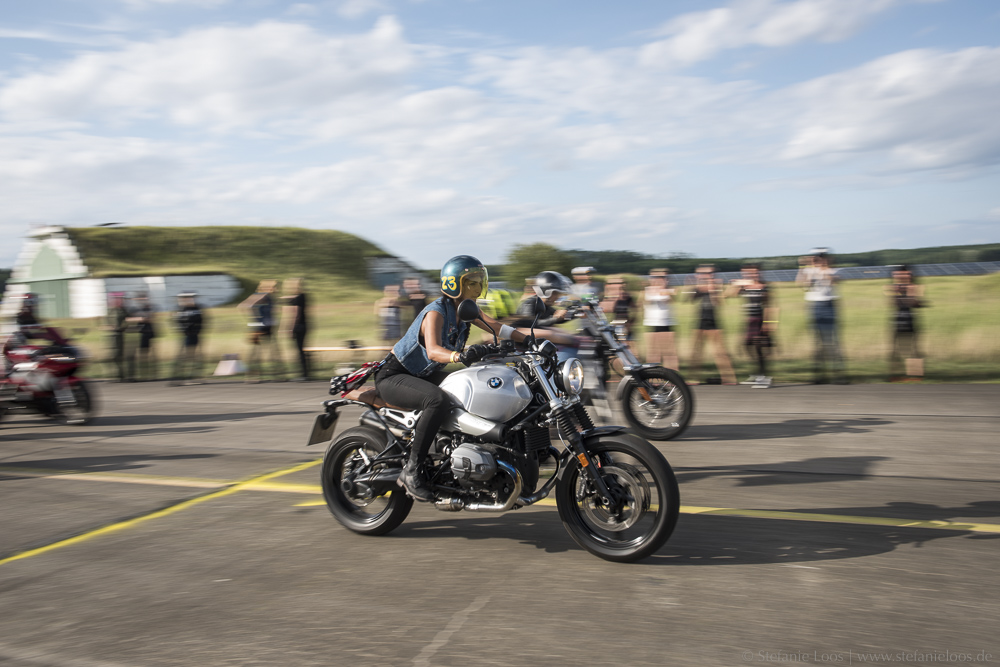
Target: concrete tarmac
820, 525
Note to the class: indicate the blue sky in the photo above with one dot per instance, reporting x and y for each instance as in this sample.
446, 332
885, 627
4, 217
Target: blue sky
439, 127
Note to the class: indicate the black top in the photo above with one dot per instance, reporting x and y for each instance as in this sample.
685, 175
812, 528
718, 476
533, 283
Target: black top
756, 300
189, 320
300, 325
623, 307
145, 311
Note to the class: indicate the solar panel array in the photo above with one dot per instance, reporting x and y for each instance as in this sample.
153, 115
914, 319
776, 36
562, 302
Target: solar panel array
860, 272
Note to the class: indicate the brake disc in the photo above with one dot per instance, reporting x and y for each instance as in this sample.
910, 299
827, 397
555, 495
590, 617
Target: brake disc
625, 477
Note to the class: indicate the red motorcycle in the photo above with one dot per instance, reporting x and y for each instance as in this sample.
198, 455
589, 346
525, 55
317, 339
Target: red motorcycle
40, 374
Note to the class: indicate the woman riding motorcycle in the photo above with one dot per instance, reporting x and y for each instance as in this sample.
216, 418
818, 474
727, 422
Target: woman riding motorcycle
412, 372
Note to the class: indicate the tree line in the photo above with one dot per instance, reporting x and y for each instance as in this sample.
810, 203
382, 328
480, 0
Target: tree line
526, 260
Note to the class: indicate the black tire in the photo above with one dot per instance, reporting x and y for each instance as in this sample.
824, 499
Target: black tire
636, 470
666, 412
84, 409
376, 516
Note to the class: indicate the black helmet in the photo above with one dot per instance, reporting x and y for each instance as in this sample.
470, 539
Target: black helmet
456, 269
549, 282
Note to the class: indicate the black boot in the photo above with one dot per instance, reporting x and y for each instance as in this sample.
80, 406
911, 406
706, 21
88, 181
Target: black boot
412, 479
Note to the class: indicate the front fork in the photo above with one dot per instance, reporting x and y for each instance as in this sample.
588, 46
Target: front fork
575, 443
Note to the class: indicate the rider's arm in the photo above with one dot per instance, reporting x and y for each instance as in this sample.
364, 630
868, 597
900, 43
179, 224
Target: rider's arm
430, 331
490, 325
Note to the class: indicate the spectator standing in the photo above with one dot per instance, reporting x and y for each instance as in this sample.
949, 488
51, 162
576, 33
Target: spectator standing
584, 285
905, 297
658, 318
261, 325
620, 304
819, 281
708, 294
390, 314
415, 295
117, 328
762, 320
189, 321
296, 320
142, 317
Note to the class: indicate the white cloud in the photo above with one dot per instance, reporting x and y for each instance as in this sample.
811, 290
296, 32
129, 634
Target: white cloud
700, 35
918, 109
222, 77
353, 9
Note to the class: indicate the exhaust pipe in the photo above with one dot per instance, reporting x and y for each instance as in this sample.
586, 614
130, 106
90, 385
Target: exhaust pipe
547, 487
454, 503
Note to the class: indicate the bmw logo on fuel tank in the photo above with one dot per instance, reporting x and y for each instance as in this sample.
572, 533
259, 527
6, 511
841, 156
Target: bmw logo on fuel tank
494, 383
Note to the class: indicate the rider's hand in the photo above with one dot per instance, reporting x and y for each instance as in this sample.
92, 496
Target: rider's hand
474, 353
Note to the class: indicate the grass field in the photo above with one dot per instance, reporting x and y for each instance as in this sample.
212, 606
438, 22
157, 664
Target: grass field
960, 339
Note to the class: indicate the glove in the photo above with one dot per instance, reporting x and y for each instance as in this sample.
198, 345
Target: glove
474, 353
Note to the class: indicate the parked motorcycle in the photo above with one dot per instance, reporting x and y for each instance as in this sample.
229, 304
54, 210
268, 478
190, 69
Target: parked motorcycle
41, 375
615, 492
655, 401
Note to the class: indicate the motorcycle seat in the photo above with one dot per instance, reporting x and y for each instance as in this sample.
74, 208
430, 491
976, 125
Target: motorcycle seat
369, 396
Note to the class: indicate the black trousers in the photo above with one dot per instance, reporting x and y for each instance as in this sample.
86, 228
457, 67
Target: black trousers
397, 387
299, 336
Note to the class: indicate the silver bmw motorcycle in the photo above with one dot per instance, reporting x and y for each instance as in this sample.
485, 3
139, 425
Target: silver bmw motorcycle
616, 494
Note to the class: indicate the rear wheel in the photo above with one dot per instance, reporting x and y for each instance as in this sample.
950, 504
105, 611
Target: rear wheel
660, 405
642, 511
347, 456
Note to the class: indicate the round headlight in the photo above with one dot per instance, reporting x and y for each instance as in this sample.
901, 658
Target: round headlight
571, 376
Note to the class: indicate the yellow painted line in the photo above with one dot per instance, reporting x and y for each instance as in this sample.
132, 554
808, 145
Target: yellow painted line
264, 484
173, 509
157, 480
285, 488
803, 516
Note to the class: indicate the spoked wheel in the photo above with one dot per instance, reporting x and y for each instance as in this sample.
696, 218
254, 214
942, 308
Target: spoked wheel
83, 409
642, 511
659, 408
357, 510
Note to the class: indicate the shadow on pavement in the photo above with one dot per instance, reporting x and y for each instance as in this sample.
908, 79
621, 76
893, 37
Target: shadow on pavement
807, 471
97, 463
88, 433
791, 428
724, 540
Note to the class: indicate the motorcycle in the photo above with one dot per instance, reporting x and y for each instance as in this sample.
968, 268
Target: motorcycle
615, 492
42, 377
655, 401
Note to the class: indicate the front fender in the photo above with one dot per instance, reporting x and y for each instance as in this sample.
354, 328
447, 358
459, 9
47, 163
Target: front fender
593, 436
620, 390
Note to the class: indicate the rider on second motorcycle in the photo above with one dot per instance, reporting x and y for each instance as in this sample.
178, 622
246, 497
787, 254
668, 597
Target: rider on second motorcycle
549, 288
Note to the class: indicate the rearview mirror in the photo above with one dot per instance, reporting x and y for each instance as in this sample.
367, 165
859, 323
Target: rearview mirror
468, 310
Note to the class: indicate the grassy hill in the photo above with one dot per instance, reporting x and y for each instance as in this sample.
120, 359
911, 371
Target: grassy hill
332, 262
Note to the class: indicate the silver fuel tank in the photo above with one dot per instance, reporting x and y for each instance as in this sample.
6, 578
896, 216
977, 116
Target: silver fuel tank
493, 392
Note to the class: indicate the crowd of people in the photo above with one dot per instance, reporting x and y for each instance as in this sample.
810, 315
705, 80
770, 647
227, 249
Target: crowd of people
654, 310
650, 312
131, 330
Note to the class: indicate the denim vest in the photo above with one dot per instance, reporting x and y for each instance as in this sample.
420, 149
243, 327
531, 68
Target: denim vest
413, 355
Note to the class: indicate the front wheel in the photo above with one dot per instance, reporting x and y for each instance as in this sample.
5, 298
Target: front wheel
349, 454
642, 512
82, 409
657, 404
